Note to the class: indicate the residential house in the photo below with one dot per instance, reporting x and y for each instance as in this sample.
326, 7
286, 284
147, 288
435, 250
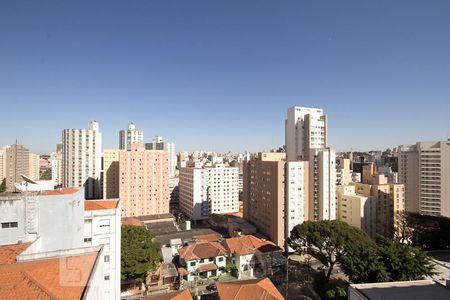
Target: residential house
202, 259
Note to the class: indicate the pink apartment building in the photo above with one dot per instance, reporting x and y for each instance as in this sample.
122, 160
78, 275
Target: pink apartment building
144, 181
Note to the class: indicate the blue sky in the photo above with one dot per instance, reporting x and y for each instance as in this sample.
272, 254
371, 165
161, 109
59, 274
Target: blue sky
220, 75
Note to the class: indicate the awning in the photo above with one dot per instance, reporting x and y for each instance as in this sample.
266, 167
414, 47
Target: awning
207, 267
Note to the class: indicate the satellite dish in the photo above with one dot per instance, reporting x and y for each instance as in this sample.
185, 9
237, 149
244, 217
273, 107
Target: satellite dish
27, 179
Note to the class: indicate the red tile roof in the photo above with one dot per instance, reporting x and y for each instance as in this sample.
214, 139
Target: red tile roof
207, 267
180, 295
55, 278
212, 237
202, 250
247, 244
66, 191
182, 271
8, 253
255, 289
131, 221
100, 204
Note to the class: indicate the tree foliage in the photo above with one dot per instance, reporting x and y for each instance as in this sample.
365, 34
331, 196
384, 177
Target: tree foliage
404, 262
429, 232
325, 240
360, 258
140, 253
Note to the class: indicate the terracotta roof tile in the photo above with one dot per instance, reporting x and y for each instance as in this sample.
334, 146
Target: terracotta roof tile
8, 253
207, 267
66, 191
247, 244
212, 237
255, 289
100, 204
131, 221
55, 278
201, 250
180, 295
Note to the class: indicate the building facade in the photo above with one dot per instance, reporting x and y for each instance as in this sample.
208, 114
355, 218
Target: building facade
16, 161
424, 169
130, 136
159, 144
193, 193
223, 189
144, 181
81, 155
264, 195
110, 173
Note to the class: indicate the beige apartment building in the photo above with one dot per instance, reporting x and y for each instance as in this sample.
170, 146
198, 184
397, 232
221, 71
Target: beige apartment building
356, 210
110, 173
264, 194
15, 162
144, 181
424, 169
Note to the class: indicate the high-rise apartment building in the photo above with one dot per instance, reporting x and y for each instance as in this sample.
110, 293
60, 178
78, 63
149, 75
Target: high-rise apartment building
130, 136
208, 190
306, 140
223, 189
356, 210
159, 144
56, 165
193, 192
424, 169
110, 173
34, 166
264, 194
144, 181
297, 194
16, 161
81, 155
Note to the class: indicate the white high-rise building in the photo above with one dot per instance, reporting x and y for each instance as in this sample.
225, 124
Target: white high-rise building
297, 188
159, 144
56, 165
424, 168
223, 189
193, 192
82, 158
306, 129
306, 140
130, 136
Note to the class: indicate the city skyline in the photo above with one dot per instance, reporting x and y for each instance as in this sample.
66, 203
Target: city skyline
220, 77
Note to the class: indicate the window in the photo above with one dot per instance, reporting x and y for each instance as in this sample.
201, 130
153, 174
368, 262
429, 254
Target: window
192, 263
220, 258
87, 240
107, 277
9, 225
106, 258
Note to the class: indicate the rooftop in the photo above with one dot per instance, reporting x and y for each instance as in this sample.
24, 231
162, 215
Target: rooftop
8, 253
155, 217
53, 278
179, 295
185, 235
212, 237
248, 244
201, 250
403, 290
100, 204
66, 191
254, 289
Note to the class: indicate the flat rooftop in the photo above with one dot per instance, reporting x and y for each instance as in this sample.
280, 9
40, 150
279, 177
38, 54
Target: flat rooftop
403, 290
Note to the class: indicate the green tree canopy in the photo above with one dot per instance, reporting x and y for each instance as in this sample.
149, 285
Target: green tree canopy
139, 253
404, 262
325, 240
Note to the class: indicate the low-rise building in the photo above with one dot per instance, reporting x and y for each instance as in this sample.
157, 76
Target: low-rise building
202, 260
246, 251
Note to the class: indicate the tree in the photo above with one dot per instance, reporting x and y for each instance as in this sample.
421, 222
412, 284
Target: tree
362, 263
325, 240
404, 262
140, 253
